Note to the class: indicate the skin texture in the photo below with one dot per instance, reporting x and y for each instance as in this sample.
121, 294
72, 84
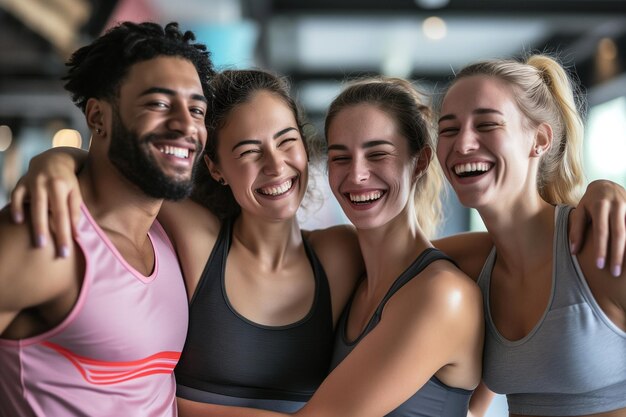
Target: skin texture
29, 306
481, 123
368, 158
195, 230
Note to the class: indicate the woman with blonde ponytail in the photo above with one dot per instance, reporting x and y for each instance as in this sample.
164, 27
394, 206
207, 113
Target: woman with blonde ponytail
409, 341
510, 139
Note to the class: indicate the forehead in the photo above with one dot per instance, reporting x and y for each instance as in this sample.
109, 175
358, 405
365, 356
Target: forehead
173, 73
361, 122
478, 91
262, 114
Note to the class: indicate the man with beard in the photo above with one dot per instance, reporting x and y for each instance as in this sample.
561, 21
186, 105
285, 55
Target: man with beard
97, 331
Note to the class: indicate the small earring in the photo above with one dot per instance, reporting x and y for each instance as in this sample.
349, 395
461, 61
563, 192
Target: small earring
538, 151
221, 181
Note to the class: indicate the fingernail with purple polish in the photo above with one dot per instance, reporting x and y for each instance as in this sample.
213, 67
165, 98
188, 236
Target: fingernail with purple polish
617, 271
600, 263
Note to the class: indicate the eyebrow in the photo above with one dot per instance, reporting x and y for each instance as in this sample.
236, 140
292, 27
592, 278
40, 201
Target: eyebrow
477, 111
366, 145
170, 92
282, 132
258, 142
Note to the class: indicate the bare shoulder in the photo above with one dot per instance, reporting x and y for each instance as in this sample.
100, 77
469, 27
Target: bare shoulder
469, 250
443, 291
339, 237
338, 250
446, 285
193, 230
181, 217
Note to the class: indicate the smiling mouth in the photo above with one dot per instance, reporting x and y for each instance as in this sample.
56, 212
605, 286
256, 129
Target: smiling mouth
176, 151
365, 198
472, 169
277, 190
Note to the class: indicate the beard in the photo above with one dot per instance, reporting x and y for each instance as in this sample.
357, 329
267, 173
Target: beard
131, 155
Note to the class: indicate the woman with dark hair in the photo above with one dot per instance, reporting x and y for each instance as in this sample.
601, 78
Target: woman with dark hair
264, 295
411, 337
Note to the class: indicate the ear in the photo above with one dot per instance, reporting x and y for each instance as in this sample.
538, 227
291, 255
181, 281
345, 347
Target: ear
97, 112
422, 162
214, 170
543, 140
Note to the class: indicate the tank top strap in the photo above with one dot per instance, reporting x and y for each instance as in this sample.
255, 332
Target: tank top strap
567, 288
420, 263
217, 259
322, 298
484, 278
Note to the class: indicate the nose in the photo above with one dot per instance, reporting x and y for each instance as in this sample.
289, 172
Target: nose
274, 163
182, 121
359, 170
466, 141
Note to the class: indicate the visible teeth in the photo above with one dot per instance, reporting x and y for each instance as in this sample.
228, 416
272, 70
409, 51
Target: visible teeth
174, 150
471, 167
361, 198
278, 189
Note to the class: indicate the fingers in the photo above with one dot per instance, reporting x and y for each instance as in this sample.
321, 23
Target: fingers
618, 239
75, 201
39, 215
61, 222
18, 199
600, 224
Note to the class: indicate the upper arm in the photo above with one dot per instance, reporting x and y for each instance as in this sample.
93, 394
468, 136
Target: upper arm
469, 250
422, 330
193, 230
480, 401
338, 250
29, 276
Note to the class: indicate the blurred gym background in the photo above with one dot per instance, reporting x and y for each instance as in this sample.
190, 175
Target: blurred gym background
318, 44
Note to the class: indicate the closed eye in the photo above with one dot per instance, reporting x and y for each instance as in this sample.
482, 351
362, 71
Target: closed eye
286, 141
377, 155
488, 125
338, 158
249, 152
448, 131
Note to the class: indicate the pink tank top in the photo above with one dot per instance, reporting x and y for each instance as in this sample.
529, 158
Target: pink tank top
114, 354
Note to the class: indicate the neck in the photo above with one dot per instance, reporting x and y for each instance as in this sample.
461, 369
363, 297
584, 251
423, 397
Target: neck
388, 250
522, 232
117, 205
269, 241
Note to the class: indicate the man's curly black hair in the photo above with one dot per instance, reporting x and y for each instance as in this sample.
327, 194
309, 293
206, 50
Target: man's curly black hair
98, 69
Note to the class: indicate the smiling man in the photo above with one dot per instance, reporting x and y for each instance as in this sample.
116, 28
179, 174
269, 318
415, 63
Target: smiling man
98, 330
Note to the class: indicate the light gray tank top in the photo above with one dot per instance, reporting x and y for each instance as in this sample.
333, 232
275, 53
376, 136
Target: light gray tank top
573, 362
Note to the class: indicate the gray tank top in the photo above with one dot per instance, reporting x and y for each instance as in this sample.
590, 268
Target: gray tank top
573, 362
434, 399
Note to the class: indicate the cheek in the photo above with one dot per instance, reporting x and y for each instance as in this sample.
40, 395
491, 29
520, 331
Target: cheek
333, 179
300, 157
442, 150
